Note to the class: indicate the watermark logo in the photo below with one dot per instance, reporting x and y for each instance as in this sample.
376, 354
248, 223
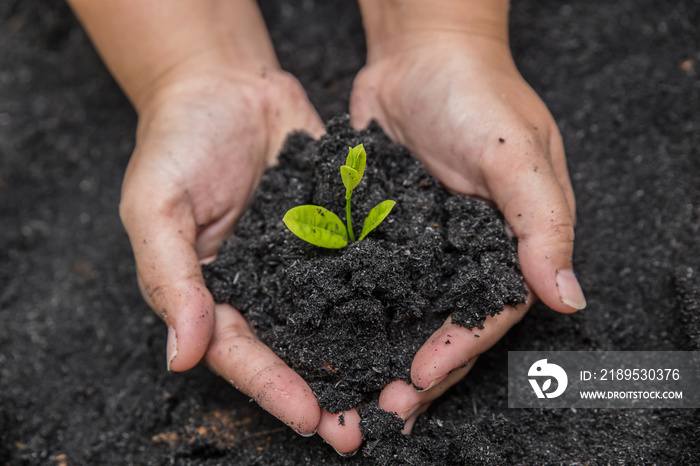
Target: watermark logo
547, 371
604, 379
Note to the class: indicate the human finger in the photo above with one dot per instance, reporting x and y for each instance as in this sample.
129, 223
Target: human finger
162, 235
447, 356
341, 431
452, 347
409, 403
561, 171
539, 211
254, 369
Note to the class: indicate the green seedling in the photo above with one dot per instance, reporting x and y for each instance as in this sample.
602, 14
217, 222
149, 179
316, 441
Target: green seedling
321, 227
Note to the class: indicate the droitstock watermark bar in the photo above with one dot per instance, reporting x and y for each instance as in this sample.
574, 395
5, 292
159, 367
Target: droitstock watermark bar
603, 379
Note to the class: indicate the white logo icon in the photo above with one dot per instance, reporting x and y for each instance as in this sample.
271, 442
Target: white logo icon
542, 368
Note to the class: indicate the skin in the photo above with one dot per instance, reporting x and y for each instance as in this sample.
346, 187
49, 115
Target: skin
214, 108
441, 80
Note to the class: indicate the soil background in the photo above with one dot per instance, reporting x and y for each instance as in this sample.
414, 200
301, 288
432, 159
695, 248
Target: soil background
82, 360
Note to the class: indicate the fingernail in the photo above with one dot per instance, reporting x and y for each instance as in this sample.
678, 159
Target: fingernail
346, 455
410, 411
430, 385
172, 345
311, 434
408, 426
569, 289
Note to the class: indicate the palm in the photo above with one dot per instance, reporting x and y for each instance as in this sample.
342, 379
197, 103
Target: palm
482, 131
454, 112
199, 155
202, 153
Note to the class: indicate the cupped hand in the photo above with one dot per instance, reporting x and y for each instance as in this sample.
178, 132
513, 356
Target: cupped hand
202, 143
204, 139
457, 101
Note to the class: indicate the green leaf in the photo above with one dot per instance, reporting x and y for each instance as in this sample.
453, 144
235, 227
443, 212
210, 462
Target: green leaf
317, 226
357, 158
350, 179
376, 216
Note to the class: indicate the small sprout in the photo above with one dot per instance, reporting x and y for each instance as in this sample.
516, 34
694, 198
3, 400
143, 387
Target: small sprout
317, 225
376, 216
322, 227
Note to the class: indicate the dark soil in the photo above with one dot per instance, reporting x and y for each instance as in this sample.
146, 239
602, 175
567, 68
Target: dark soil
350, 321
82, 359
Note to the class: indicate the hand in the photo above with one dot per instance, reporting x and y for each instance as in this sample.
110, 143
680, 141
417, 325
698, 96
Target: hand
202, 143
457, 101
214, 109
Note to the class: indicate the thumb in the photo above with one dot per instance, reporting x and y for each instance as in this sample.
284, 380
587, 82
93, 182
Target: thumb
537, 201
364, 105
170, 276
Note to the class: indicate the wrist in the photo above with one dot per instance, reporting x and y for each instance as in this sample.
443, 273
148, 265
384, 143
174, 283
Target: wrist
204, 68
146, 42
208, 74
393, 26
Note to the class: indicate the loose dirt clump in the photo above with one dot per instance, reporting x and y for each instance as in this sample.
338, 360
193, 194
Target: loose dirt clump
351, 320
